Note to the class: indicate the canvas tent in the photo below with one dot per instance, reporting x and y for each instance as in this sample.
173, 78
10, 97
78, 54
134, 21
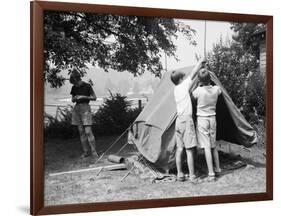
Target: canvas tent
154, 129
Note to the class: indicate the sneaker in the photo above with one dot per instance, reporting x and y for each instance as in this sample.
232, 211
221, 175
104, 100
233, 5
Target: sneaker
181, 178
218, 172
211, 178
193, 179
95, 154
85, 154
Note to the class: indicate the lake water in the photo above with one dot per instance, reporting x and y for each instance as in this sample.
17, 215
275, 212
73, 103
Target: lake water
52, 104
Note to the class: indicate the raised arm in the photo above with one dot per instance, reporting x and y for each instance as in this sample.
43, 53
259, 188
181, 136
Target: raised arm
198, 66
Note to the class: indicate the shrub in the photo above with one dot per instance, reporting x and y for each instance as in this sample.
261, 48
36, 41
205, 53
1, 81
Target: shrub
238, 72
255, 98
114, 116
60, 127
261, 132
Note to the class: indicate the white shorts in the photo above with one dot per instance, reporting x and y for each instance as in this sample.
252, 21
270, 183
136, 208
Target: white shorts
206, 131
185, 132
81, 114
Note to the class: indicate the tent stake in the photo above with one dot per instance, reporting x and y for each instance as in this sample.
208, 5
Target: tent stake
127, 174
99, 171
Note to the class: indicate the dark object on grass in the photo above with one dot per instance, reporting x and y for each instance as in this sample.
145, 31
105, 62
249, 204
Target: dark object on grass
115, 159
181, 178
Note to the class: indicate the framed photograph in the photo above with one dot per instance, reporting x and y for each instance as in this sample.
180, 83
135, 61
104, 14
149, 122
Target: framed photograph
144, 107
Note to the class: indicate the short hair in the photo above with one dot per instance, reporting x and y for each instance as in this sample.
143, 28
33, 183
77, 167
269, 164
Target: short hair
74, 76
176, 76
204, 76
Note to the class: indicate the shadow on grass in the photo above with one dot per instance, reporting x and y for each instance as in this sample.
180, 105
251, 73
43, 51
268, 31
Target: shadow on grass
64, 155
228, 163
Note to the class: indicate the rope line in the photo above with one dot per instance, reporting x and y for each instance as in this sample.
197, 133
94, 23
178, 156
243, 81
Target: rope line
122, 148
111, 145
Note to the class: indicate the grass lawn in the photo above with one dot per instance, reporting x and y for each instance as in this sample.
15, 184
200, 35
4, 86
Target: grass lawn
85, 187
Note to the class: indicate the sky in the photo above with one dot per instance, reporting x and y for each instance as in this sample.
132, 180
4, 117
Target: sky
186, 52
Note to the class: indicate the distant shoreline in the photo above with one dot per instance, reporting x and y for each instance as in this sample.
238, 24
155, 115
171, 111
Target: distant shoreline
52, 104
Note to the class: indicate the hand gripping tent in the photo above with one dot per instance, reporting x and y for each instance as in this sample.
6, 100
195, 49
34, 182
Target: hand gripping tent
153, 132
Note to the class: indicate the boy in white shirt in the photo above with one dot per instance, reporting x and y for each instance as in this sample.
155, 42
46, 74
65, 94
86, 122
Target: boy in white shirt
207, 96
185, 130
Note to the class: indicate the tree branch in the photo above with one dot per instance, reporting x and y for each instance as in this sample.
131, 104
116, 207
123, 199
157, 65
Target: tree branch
97, 25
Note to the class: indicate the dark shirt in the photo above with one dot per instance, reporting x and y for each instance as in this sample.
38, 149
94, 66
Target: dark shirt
84, 89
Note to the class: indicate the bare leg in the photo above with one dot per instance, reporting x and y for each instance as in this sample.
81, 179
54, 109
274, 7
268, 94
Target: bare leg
216, 159
209, 161
179, 161
190, 162
91, 139
83, 139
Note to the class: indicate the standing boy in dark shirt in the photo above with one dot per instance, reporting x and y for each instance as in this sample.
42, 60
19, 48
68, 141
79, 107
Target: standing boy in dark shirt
82, 93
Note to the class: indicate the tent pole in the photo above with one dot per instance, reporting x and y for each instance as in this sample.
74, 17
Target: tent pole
166, 68
111, 145
205, 37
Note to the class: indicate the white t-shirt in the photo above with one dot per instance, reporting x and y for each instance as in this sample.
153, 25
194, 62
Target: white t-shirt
182, 97
207, 97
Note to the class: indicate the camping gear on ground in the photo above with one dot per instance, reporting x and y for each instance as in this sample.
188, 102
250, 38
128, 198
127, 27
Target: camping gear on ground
115, 159
138, 165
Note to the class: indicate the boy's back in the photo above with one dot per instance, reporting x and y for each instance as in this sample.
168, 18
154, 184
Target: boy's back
207, 97
182, 97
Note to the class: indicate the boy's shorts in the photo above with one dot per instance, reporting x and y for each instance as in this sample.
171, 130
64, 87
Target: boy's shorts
206, 131
185, 132
81, 114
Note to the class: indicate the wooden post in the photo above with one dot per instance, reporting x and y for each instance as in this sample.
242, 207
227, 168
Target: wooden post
139, 104
205, 38
57, 112
166, 68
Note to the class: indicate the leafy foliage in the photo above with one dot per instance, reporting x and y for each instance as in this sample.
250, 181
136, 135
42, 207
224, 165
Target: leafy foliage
237, 67
244, 34
115, 115
123, 43
255, 98
60, 127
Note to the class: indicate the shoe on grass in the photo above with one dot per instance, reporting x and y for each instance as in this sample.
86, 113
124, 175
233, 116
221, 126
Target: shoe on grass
218, 172
85, 154
211, 178
95, 154
180, 177
193, 179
